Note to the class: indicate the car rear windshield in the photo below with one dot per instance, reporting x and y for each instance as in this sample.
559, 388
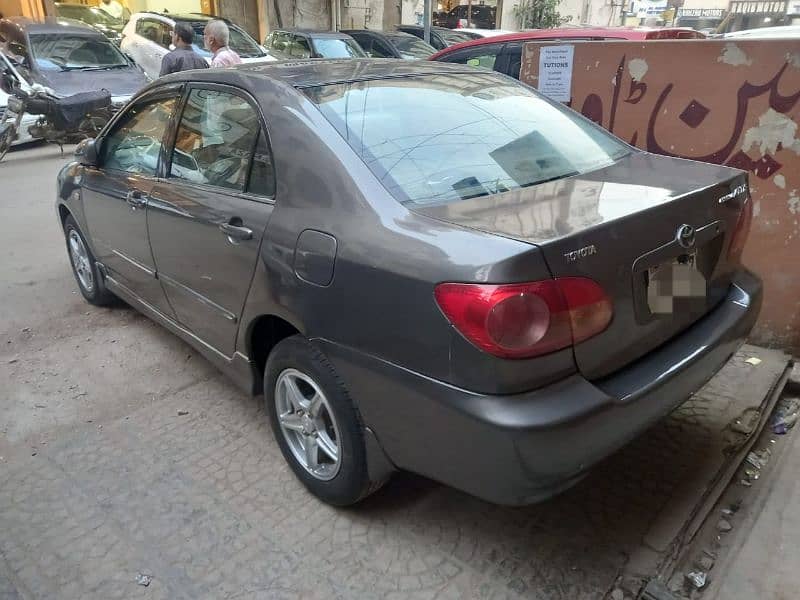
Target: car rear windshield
239, 42
338, 48
411, 47
442, 138
67, 52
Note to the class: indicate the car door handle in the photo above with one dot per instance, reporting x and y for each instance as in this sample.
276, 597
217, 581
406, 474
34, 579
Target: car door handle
136, 199
235, 230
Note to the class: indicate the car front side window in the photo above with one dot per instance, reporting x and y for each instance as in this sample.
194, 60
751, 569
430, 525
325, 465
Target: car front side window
134, 146
262, 174
215, 140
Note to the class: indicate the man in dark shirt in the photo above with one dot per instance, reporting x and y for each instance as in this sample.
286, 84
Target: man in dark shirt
182, 58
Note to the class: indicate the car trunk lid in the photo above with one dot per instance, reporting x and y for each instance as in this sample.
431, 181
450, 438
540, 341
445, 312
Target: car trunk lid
620, 226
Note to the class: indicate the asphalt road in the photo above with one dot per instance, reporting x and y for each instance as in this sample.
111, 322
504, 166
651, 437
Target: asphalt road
101, 480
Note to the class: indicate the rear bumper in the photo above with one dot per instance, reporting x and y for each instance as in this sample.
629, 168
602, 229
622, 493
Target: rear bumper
522, 448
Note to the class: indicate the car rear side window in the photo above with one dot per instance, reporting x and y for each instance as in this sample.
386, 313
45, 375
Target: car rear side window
262, 174
381, 50
154, 30
479, 135
484, 55
300, 47
215, 139
134, 146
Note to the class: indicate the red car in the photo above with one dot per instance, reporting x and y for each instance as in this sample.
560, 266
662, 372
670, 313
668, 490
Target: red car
503, 53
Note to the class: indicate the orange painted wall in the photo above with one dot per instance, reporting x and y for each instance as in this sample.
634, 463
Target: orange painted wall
729, 103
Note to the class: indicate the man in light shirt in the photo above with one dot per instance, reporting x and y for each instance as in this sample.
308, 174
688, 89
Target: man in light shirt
216, 36
112, 8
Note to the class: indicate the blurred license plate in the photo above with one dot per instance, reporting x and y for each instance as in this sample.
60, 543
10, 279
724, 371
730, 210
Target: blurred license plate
676, 280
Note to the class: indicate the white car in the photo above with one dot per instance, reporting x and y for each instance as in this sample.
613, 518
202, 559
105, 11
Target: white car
782, 31
23, 137
148, 37
484, 32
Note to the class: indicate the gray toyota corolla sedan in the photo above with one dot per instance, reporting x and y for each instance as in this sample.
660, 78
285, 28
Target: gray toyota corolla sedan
422, 266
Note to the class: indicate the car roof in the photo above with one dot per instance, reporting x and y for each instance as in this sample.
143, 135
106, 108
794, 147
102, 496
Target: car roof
53, 25
180, 17
561, 33
317, 72
385, 34
420, 27
762, 32
318, 33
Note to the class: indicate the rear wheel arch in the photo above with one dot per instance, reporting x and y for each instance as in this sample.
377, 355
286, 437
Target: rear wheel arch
264, 333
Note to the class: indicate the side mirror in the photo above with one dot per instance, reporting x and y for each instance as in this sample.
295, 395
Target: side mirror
86, 153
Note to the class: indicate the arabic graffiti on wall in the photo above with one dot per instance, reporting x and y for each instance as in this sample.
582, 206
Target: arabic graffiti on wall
736, 104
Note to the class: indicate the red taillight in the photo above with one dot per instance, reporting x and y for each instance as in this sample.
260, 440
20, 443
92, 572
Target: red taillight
522, 320
742, 229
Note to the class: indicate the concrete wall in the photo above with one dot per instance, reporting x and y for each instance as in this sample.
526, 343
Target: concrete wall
728, 103
589, 12
312, 14
28, 8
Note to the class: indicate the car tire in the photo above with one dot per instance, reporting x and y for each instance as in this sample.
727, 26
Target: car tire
296, 360
84, 267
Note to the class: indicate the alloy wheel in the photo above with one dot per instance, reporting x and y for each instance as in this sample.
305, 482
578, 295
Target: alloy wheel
308, 424
80, 261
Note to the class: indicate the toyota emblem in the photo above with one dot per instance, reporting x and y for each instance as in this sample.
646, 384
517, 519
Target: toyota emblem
685, 236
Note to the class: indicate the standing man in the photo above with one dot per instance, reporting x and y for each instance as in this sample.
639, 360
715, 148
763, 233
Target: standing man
183, 57
216, 36
113, 8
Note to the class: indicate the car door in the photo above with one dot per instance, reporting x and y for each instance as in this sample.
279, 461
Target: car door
207, 216
115, 194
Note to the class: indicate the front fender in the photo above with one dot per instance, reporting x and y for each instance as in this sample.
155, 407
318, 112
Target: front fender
69, 199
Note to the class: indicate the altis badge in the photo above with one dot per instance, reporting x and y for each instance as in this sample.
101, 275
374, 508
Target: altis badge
734, 193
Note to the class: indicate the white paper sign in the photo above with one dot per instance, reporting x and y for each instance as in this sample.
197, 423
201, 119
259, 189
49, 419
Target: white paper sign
555, 72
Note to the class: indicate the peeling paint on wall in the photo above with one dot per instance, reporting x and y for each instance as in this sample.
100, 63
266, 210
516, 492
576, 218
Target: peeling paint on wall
793, 203
773, 128
749, 118
733, 55
637, 67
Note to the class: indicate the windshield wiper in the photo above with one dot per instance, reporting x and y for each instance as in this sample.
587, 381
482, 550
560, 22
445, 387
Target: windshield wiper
553, 178
97, 68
